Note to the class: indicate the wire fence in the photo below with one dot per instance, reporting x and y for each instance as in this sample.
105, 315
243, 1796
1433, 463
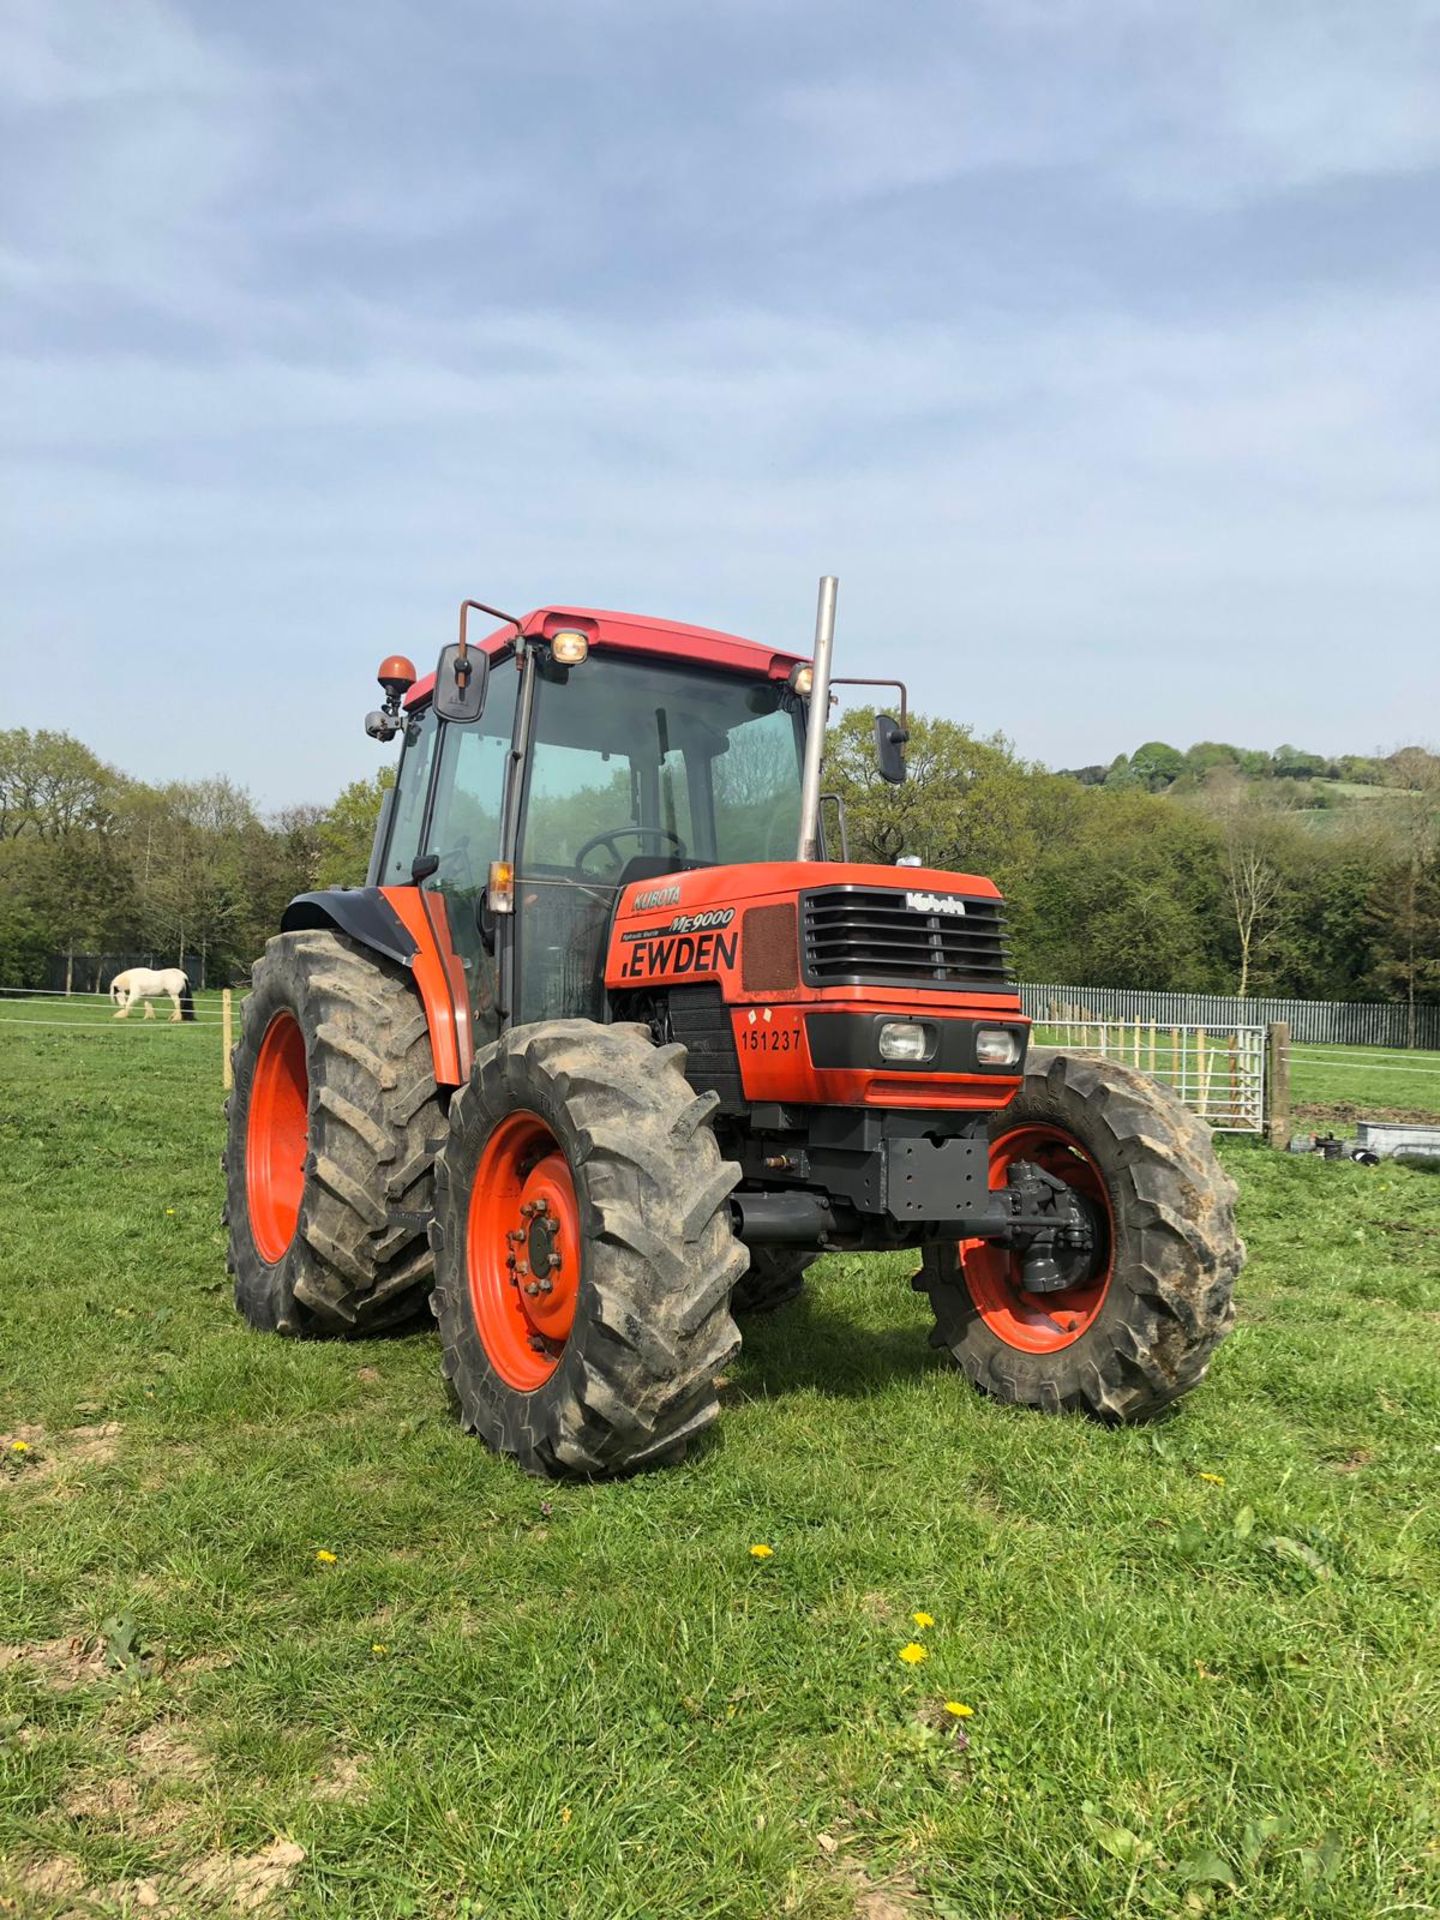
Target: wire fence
91, 1014
1351, 1023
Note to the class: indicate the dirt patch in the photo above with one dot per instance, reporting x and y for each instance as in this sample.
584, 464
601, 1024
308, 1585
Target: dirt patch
895, 1898
1353, 1462
54, 1879
30, 1455
220, 1884
1347, 1112
342, 1779
162, 1752
92, 1446
62, 1664
367, 1376
104, 1802
200, 1663
225, 1882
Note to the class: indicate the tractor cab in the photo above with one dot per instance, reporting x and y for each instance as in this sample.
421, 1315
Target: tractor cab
607, 751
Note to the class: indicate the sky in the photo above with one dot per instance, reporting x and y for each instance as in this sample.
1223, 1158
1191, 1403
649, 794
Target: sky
1094, 344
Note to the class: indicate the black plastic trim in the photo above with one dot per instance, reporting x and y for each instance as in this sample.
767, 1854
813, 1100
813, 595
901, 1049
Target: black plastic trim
361, 912
964, 954
853, 1040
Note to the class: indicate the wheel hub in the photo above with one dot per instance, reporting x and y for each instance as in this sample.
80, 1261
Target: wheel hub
1045, 1296
524, 1250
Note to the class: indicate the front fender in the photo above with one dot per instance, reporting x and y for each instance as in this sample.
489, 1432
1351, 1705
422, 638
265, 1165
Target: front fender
362, 912
396, 923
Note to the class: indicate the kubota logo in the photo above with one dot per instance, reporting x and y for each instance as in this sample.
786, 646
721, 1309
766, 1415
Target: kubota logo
934, 903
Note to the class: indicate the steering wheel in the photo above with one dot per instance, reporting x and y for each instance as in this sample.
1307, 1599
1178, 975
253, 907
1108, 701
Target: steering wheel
608, 839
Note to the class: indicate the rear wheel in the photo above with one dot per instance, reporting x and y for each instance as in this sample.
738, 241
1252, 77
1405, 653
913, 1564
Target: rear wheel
777, 1275
1138, 1317
332, 1131
584, 1257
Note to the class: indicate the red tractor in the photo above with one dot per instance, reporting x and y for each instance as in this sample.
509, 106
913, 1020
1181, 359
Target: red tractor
611, 1045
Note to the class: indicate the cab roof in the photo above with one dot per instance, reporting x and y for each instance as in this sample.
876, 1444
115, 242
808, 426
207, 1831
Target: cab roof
636, 633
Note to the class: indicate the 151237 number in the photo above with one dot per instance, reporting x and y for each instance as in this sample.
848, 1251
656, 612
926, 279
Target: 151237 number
770, 1039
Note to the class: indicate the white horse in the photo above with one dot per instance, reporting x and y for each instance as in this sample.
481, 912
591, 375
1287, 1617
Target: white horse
147, 984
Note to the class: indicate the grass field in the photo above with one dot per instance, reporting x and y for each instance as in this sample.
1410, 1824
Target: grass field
1202, 1659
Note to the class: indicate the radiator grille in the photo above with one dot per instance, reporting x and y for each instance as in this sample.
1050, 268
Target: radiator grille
859, 935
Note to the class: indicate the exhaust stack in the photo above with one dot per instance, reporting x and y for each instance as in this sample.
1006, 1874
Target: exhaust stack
809, 848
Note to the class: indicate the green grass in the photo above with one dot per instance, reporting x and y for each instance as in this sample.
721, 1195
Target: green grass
1349, 1083
506, 1698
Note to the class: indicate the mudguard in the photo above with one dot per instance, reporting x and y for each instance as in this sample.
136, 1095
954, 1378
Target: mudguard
396, 922
362, 912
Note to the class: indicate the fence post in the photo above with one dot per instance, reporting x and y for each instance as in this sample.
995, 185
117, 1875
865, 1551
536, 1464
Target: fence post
1202, 1074
227, 1073
1277, 1084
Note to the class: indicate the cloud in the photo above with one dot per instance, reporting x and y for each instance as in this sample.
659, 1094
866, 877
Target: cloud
1209, 107
1091, 344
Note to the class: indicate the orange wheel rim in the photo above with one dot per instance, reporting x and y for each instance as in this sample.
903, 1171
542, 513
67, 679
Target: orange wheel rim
1039, 1322
277, 1137
522, 1251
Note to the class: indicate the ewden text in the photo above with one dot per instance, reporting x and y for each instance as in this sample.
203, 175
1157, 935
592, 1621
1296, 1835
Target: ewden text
671, 954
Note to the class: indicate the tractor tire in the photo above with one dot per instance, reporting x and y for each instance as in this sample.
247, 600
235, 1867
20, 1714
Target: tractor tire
579, 1156
332, 1131
776, 1276
1138, 1326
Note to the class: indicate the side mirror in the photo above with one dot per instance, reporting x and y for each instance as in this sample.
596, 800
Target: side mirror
890, 738
460, 682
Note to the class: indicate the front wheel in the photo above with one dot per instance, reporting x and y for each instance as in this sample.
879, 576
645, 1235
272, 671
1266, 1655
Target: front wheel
584, 1257
1138, 1318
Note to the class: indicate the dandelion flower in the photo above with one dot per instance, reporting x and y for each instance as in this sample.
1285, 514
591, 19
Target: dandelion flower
379, 1647
19, 1446
762, 1552
325, 1557
1213, 1479
170, 1211
913, 1654
959, 1709
923, 1620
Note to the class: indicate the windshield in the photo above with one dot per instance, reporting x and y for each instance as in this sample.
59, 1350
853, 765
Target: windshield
640, 769
701, 767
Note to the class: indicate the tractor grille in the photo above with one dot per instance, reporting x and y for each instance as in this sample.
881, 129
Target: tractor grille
862, 935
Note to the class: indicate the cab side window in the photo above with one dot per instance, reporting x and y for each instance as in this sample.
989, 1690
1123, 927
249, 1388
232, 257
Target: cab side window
412, 785
470, 793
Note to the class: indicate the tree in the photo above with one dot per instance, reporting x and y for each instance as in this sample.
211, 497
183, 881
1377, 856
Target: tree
1252, 863
1126, 895
1405, 906
346, 831
52, 784
1157, 765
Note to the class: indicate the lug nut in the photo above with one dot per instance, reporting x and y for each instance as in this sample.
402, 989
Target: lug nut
545, 1286
524, 1266
537, 1343
533, 1288
554, 1261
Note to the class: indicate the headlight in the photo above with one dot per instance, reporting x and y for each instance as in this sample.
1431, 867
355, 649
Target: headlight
997, 1046
801, 680
904, 1040
568, 648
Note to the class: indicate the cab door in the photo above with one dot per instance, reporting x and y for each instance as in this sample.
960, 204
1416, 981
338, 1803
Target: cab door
464, 833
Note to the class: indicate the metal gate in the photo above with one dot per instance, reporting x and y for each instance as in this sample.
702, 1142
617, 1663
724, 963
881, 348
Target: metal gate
1218, 1072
